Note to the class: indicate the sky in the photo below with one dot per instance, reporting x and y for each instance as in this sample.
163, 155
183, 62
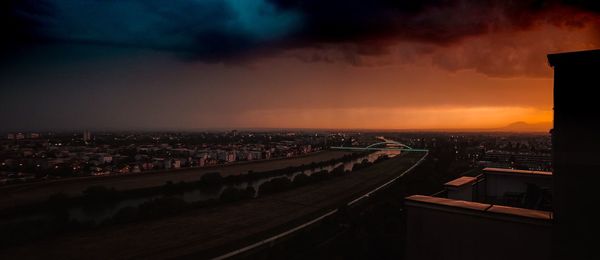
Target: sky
203, 64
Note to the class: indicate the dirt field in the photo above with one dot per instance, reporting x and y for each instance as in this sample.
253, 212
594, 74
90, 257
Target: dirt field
210, 231
14, 195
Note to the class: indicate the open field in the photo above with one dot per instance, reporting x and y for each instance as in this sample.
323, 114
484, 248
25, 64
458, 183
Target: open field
14, 195
210, 231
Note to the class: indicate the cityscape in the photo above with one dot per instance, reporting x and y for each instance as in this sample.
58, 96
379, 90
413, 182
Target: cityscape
299, 129
29, 157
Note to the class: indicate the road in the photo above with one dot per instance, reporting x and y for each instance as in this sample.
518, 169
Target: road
15, 195
209, 232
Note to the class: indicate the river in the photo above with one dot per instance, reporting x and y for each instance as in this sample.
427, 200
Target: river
99, 214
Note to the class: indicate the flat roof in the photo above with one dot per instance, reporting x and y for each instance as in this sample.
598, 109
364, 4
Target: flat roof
585, 57
514, 171
460, 181
530, 213
449, 202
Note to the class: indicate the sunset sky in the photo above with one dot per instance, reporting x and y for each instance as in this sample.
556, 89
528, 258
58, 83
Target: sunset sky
196, 64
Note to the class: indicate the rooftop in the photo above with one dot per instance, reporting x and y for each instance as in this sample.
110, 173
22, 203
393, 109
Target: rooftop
574, 58
496, 210
514, 171
460, 181
449, 202
529, 213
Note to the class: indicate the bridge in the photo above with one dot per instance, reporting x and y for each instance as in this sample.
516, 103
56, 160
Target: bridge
374, 147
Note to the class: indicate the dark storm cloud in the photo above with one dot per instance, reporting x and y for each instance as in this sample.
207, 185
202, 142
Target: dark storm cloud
380, 23
216, 30
207, 29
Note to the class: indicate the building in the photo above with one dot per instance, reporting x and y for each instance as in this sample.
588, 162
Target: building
518, 214
176, 164
503, 159
576, 144
87, 136
497, 214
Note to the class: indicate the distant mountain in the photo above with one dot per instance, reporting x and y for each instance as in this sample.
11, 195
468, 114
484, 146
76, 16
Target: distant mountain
526, 127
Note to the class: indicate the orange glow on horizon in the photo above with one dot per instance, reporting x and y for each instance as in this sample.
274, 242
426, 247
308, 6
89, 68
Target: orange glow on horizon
400, 118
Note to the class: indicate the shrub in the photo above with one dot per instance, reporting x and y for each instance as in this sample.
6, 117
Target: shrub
231, 194
301, 179
58, 200
212, 179
275, 185
161, 207
338, 171
99, 194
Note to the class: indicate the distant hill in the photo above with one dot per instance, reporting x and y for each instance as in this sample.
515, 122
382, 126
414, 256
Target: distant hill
526, 127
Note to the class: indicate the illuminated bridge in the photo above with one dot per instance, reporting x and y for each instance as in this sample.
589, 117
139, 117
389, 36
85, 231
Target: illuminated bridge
397, 146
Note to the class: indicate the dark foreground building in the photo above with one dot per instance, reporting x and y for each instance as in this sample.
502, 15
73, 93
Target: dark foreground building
576, 148
515, 214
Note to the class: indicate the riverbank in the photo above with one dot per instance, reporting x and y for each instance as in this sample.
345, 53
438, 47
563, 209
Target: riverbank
16, 195
207, 232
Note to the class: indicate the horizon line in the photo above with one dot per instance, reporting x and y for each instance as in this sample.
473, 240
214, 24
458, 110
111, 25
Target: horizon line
268, 129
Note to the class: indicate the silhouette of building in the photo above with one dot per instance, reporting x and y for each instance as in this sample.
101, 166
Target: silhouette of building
515, 214
87, 136
576, 156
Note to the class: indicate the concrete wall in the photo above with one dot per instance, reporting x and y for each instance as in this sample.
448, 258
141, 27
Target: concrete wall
499, 184
461, 193
461, 188
436, 231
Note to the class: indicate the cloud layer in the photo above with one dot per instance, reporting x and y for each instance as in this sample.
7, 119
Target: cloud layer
240, 30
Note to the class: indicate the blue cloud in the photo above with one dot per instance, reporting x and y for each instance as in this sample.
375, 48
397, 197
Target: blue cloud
210, 29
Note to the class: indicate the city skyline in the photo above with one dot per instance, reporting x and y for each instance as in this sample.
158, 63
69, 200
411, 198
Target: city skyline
283, 64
